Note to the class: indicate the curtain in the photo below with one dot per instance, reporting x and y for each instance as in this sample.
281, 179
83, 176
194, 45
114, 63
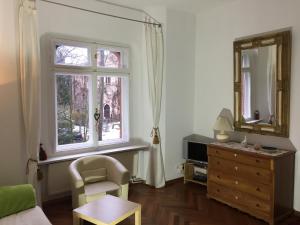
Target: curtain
271, 76
155, 60
30, 84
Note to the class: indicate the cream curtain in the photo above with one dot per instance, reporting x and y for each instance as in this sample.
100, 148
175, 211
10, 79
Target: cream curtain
30, 84
155, 59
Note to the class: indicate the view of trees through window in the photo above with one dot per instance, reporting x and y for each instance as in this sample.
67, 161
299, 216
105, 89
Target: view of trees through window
108, 59
70, 55
109, 100
73, 108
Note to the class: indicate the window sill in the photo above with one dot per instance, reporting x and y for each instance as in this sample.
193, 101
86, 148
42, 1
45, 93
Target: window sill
59, 159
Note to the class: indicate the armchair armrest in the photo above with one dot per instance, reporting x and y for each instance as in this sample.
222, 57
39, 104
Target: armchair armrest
76, 179
116, 172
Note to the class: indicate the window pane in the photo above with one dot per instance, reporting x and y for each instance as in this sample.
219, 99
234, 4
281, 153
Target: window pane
71, 55
110, 108
72, 109
107, 58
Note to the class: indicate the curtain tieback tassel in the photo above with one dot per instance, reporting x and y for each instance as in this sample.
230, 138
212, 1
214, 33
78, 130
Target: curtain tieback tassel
40, 174
154, 134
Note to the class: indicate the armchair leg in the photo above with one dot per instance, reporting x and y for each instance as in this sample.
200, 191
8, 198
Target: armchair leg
124, 191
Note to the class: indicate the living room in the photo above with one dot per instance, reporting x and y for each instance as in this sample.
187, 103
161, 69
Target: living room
197, 83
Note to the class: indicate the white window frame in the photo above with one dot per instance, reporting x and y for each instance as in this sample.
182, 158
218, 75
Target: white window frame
93, 72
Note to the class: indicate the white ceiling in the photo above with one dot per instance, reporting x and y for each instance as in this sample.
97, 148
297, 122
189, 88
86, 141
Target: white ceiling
193, 6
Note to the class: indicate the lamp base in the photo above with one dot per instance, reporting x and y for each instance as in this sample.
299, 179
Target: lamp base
222, 138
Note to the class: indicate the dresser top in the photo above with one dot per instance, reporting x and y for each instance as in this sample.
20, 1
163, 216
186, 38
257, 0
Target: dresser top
250, 149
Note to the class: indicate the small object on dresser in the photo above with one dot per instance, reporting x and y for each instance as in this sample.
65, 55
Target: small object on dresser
269, 149
256, 115
222, 125
257, 146
244, 142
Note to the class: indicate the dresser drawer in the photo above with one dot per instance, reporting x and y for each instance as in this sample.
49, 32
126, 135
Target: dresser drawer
258, 190
238, 156
237, 198
255, 174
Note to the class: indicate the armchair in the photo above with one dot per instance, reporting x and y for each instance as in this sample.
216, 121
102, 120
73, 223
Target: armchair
94, 176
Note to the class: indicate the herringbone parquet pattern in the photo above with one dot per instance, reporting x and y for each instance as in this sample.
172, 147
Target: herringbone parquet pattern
176, 204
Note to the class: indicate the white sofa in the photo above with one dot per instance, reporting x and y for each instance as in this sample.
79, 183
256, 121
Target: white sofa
33, 216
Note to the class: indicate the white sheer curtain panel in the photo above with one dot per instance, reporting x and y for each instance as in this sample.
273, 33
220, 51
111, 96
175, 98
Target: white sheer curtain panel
155, 60
30, 84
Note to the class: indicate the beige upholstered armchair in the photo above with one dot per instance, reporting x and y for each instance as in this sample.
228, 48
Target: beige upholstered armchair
94, 176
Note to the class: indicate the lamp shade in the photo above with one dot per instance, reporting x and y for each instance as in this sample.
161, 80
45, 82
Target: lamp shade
222, 124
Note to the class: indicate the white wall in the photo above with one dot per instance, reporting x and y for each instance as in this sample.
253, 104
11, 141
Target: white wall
216, 31
12, 165
179, 80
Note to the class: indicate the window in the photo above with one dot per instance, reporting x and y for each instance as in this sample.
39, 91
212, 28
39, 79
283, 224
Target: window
91, 94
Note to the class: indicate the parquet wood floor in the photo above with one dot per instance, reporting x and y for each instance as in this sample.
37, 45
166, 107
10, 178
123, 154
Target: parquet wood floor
176, 204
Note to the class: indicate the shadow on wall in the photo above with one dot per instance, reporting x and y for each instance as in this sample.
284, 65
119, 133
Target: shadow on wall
267, 140
13, 156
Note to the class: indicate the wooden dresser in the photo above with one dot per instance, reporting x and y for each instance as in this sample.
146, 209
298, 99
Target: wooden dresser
255, 182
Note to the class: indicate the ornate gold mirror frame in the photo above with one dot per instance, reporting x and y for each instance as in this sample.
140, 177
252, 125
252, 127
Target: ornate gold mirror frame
280, 126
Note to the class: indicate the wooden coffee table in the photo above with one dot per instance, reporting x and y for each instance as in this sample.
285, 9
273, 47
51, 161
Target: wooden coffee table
108, 210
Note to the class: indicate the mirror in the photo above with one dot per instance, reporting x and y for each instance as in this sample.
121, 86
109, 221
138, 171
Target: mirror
258, 70
261, 84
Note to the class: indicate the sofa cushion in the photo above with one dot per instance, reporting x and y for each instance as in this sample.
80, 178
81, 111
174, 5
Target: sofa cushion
92, 176
17, 198
33, 216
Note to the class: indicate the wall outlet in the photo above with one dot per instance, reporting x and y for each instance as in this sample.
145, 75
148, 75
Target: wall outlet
180, 168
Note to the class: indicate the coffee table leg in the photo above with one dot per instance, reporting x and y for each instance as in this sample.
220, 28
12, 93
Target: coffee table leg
76, 219
138, 216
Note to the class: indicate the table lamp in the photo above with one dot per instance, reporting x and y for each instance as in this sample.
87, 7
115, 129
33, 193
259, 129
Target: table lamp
222, 125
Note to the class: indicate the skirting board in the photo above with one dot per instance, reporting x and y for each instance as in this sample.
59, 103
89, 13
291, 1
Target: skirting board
296, 213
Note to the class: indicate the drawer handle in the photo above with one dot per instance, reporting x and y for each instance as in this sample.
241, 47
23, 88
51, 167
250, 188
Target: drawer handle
236, 198
236, 182
235, 155
217, 151
258, 173
258, 189
257, 161
218, 176
257, 205
236, 168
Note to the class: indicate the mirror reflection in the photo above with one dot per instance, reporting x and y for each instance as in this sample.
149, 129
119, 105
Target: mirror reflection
258, 73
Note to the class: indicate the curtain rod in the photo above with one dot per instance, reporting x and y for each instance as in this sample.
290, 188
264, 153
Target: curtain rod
127, 7
104, 14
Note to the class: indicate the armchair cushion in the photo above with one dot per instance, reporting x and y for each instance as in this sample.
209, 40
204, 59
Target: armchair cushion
97, 190
105, 186
92, 176
17, 198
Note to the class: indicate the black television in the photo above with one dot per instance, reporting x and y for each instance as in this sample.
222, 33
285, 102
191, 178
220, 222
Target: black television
195, 148
197, 152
